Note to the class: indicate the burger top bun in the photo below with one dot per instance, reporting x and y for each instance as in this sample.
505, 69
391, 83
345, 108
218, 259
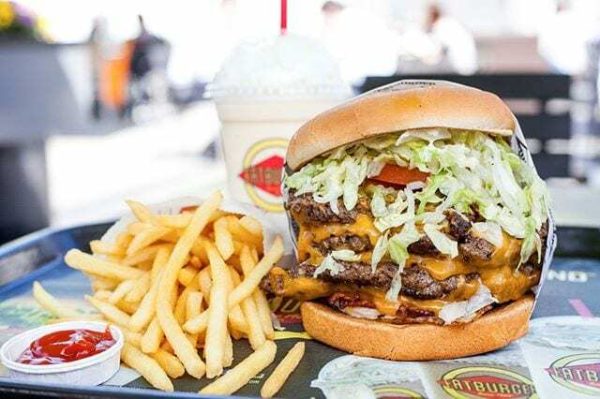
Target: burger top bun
373, 114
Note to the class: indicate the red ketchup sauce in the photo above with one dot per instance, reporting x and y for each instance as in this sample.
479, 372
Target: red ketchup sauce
66, 346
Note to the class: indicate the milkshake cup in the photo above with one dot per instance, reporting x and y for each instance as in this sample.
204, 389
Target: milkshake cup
263, 93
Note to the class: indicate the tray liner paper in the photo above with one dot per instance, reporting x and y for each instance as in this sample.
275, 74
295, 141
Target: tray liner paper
327, 372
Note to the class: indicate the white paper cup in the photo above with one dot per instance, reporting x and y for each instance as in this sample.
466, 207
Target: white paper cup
264, 92
90, 371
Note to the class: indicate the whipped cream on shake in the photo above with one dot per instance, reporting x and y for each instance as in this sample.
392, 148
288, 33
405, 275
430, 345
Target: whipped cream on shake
264, 92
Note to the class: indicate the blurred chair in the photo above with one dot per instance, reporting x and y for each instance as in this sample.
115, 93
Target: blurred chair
540, 102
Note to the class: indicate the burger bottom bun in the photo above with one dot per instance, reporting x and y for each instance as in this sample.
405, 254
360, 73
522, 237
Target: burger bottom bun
494, 330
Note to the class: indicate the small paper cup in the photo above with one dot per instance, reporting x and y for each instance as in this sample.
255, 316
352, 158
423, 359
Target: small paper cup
90, 371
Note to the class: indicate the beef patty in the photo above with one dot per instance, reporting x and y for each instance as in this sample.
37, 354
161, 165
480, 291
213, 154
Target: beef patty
416, 281
306, 210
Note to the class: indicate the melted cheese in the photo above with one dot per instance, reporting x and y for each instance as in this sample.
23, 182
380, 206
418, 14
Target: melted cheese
308, 234
497, 273
307, 288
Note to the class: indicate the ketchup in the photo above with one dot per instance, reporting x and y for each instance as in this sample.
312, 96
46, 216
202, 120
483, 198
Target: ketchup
67, 346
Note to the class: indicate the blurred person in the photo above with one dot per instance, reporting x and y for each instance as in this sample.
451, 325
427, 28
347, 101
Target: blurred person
455, 42
148, 68
361, 41
97, 40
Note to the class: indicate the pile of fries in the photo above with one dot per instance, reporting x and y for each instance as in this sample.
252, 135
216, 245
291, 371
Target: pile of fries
181, 285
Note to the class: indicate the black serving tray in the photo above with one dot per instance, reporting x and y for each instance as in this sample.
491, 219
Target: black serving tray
574, 274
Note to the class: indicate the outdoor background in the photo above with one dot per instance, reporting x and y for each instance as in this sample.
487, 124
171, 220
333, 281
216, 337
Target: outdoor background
101, 101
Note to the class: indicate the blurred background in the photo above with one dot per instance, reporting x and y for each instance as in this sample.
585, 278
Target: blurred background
106, 100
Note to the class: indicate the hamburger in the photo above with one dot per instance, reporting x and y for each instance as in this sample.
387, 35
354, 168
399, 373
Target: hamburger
419, 232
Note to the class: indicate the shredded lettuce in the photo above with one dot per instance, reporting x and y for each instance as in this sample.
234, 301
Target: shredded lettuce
441, 241
468, 170
489, 231
345, 254
328, 264
397, 248
379, 251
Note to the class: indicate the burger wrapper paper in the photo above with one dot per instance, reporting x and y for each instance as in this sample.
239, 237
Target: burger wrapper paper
175, 206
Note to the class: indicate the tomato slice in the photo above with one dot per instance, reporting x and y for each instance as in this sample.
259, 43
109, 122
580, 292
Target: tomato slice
399, 175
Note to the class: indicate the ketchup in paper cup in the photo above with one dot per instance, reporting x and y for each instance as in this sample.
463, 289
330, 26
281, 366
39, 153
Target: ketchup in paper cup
75, 353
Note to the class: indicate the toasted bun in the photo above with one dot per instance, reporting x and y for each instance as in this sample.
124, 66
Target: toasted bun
493, 330
373, 114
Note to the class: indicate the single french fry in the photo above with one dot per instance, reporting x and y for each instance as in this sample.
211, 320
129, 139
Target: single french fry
145, 238
199, 251
256, 335
205, 283
246, 287
152, 338
187, 275
252, 225
140, 211
89, 264
162, 256
102, 248
283, 370
179, 221
264, 313
111, 312
196, 262
103, 284
193, 307
51, 304
236, 317
217, 314
241, 374
240, 234
147, 309
103, 295
262, 305
120, 292
184, 350
169, 363
147, 367
227, 351
141, 287
128, 307
143, 255
172, 236
122, 241
223, 239
136, 228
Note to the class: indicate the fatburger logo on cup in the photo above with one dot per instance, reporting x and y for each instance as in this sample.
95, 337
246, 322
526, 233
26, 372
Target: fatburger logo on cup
264, 92
263, 167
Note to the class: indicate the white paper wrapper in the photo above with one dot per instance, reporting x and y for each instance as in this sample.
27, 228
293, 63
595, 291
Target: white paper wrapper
174, 206
518, 144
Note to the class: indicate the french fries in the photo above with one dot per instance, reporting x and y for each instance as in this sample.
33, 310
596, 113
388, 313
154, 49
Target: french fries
239, 376
51, 304
246, 287
149, 368
180, 286
217, 314
283, 370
